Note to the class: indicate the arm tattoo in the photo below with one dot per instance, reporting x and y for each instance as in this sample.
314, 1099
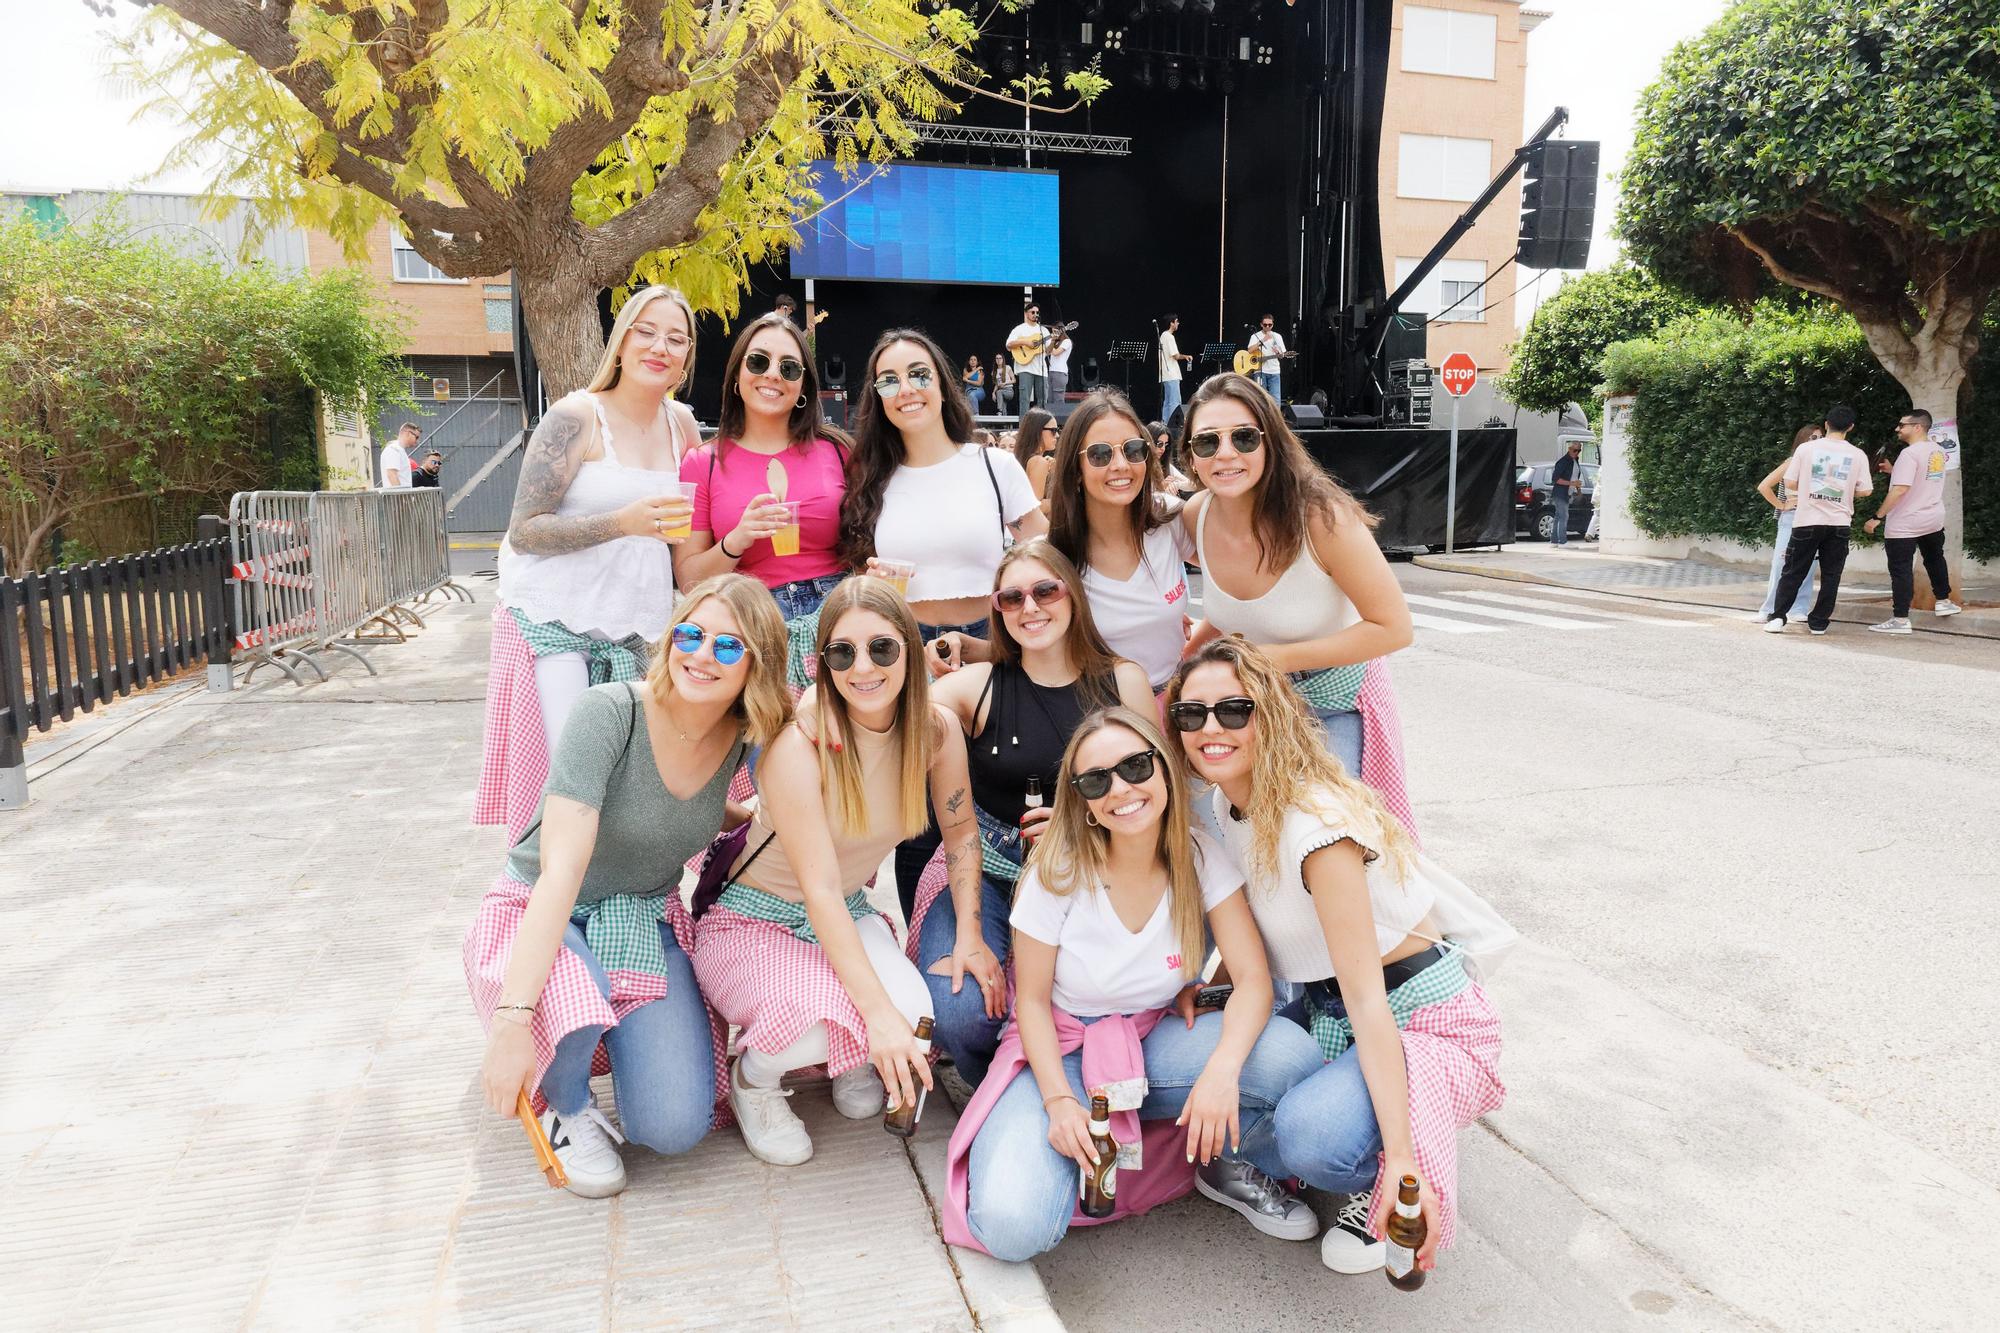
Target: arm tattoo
956, 801
548, 464
967, 859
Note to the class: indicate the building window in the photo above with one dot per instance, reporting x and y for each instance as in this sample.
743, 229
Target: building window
411, 266
1444, 41
499, 309
1453, 293
1430, 166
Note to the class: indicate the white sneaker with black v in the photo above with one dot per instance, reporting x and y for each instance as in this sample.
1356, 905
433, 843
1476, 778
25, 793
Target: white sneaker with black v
583, 1144
1347, 1246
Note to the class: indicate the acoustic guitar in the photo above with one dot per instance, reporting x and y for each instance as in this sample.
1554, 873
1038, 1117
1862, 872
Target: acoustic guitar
1026, 355
1247, 361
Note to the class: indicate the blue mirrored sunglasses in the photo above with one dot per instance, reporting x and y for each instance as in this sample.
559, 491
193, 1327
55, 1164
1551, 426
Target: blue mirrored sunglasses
729, 649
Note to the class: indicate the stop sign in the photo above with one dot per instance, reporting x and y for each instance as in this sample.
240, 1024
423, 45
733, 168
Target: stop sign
1458, 374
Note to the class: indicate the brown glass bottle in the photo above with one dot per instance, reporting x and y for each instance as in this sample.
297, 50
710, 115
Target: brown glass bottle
1405, 1235
902, 1120
1097, 1188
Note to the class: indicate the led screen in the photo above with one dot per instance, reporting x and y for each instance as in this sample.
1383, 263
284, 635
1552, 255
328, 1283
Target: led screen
910, 222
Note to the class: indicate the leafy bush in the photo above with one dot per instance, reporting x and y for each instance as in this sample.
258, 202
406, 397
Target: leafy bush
1555, 362
1719, 400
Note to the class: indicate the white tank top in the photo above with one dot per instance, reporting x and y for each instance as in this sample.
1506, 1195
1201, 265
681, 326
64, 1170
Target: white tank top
614, 589
1305, 603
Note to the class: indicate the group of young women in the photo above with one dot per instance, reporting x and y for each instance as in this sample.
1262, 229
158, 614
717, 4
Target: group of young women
998, 680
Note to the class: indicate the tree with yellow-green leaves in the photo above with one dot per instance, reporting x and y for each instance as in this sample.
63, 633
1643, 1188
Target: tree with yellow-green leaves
583, 144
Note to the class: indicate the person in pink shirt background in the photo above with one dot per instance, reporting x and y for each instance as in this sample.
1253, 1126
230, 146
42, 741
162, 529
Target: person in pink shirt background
1826, 475
769, 447
1912, 520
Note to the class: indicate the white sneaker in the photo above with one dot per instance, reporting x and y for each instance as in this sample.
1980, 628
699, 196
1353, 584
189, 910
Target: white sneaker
1757, 618
1893, 625
1946, 607
770, 1131
1347, 1246
583, 1144
1775, 625
858, 1094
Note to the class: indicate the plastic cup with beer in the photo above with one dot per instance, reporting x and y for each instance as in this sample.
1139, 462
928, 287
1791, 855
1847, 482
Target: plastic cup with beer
785, 541
683, 490
898, 573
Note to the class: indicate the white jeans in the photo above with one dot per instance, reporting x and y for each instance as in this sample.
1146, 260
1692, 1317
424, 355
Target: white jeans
560, 680
899, 976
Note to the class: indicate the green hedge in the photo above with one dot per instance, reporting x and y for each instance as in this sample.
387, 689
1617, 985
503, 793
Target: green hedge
1719, 400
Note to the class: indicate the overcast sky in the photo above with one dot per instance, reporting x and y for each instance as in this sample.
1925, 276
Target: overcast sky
63, 125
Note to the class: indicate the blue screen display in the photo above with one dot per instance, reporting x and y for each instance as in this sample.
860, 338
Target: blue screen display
908, 222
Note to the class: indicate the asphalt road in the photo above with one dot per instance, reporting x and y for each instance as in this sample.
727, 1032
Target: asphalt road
1751, 1039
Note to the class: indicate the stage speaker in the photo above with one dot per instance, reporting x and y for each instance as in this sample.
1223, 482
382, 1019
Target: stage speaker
1304, 416
1091, 373
1558, 205
833, 375
833, 406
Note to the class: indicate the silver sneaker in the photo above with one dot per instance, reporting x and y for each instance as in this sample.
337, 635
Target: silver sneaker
1269, 1206
1893, 625
1347, 1246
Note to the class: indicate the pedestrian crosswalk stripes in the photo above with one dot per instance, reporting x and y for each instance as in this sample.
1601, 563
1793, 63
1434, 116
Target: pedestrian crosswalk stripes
1458, 607
1531, 606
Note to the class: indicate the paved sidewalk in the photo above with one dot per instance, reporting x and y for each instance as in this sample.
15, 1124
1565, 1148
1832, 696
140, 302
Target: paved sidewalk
240, 1063
1864, 598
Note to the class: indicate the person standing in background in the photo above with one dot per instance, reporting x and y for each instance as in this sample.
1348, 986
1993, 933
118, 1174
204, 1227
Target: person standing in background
1912, 520
1772, 488
427, 473
396, 456
1269, 345
1565, 482
1031, 339
1826, 475
1171, 358
1060, 347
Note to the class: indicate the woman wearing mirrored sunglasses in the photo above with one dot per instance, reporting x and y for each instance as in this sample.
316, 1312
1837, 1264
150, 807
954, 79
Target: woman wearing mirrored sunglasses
1289, 561
1112, 921
769, 447
582, 942
1343, 901
1048, 669
791, 951
1107, 515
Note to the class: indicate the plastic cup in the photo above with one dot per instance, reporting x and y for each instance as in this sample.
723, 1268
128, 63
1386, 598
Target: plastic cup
685, 490
785, 541
898, 573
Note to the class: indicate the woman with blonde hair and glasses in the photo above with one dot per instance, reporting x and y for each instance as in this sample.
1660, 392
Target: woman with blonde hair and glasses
1344, 903
1048, 669
586, 569
1112, 921
790, 950
1289, 561
583, 942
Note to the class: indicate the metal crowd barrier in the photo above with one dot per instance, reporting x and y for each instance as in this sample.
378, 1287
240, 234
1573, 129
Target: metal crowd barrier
322, 571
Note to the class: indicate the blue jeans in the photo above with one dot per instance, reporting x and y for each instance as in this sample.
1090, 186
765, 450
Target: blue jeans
913, 854
1170, 400
1803, 602
1325, 1128
1559, 499
1270, 382
803, 596
1022, 1191
964, 1031
662, 1062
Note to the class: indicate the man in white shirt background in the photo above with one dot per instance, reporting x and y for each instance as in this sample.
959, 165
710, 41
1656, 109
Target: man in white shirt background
396, 456
1030, 380
1171, 358
1269, 345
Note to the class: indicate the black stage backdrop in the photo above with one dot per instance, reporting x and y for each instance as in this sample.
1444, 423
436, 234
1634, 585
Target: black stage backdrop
1163, 229
1401, 476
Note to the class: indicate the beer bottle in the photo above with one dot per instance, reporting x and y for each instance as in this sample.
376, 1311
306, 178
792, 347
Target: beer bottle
902, 1120
1098, 1186
1034, 799
1406, 1234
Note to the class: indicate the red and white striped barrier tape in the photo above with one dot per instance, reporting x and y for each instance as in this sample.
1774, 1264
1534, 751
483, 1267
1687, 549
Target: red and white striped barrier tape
258, 637
261, 569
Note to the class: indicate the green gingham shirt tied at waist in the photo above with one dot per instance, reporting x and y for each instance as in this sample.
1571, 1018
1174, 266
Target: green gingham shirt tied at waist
623, 932
608, 660
1330, 688
1434, 985
758, 905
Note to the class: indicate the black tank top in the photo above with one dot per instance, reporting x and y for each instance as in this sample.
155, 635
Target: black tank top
1027, 728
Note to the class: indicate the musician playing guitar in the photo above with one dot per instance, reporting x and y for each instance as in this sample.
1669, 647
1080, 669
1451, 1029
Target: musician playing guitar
1028, 344
1267, 346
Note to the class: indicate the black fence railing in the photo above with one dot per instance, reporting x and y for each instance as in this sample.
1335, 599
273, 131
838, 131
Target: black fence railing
74, 636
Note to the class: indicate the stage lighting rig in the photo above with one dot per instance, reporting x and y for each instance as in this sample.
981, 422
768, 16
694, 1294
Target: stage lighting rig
1169, 6
1007, 58
1202, 6
1114, 39
1173, 75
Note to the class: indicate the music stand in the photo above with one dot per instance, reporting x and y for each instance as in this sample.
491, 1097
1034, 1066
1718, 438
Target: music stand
1222, 354
1128, 350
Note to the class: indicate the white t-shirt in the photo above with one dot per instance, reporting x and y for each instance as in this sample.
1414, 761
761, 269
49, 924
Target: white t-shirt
1269, 346
1029, 331
1103, 968
1059, 359
395, 458
1140, 617
945, 519
1170, 366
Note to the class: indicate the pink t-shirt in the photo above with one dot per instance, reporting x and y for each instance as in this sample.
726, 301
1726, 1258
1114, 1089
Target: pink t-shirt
1826, 475
1920, 512
814, 476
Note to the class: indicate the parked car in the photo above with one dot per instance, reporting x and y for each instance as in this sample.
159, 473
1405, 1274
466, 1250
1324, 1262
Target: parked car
1535, 513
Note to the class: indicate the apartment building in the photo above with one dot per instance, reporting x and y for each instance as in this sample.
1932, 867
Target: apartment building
1452, 117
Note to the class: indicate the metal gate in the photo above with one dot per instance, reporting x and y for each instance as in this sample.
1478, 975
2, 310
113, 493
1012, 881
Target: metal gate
468, 433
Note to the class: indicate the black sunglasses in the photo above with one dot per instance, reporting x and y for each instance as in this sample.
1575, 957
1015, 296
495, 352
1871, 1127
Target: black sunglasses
1135, 768
1135, 451
1046, 592
1192, 714
790, 369
1243, 439
883, 650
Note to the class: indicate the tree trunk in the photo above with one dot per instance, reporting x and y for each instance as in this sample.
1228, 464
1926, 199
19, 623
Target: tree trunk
1932, 370
560, 304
